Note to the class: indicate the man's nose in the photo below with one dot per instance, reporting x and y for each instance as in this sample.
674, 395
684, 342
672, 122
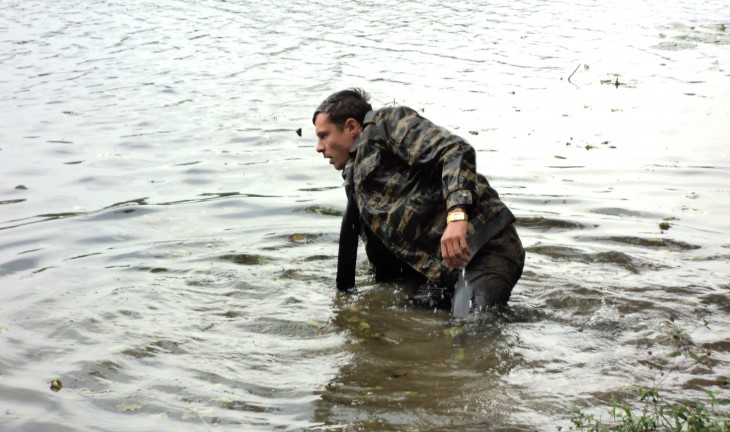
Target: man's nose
319, 147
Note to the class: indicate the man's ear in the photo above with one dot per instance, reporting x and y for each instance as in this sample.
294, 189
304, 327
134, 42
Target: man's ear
352, 127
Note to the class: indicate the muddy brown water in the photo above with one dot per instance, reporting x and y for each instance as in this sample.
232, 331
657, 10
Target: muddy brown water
168, 242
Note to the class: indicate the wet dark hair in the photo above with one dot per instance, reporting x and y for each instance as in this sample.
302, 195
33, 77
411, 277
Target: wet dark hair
345, 104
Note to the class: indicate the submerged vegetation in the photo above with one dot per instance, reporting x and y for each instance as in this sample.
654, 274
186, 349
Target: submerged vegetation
649, 409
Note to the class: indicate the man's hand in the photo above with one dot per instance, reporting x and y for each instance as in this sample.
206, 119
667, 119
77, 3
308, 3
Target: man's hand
453, 244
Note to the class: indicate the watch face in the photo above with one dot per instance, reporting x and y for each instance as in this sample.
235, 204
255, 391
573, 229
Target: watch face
456, 216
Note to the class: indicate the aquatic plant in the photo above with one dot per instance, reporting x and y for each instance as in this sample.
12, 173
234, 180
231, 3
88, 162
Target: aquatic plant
651, 411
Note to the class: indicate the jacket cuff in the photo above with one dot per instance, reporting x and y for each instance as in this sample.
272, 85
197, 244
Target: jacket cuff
461, 198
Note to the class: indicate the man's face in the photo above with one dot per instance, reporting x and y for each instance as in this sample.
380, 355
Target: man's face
333, 143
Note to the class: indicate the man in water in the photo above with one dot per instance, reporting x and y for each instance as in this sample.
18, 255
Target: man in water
416, 199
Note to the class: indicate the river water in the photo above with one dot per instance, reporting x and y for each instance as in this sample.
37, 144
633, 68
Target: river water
168, 241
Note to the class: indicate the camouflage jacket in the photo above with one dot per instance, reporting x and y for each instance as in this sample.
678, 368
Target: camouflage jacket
406, 173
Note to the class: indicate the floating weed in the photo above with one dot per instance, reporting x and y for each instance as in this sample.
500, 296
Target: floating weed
237, 405
458, 354
298, 238
314, 258
359, 323
454, 331
650, 242
294, 274
543, 223
246, 259
364, 332
303, 238
321, 210
128, 406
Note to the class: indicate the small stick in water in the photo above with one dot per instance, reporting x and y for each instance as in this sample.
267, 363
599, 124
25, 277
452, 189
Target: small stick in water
571, 75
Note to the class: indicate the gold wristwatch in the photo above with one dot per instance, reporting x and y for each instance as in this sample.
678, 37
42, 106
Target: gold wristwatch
456, 216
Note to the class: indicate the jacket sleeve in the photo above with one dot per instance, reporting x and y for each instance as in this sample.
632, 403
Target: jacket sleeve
424, 145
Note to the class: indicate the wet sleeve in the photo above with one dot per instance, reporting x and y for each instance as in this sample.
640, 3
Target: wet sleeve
425, 145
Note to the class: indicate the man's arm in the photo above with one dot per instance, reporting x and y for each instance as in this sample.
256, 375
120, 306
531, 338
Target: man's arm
422, 143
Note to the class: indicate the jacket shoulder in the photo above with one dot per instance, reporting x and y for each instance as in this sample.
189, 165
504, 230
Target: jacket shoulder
389, 115
391, 123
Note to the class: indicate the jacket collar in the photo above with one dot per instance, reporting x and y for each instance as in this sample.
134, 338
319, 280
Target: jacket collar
369, 120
